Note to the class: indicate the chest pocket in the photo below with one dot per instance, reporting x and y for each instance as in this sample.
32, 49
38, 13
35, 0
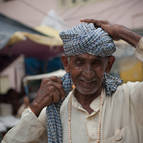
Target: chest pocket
119, 137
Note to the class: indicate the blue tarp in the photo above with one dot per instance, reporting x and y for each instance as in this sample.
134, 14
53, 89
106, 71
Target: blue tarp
34, 66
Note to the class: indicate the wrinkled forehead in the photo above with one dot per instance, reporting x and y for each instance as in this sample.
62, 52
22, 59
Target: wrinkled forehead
88, 57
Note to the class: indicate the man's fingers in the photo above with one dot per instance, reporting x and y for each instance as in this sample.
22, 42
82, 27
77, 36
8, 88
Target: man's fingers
55, 96
52, 87
88, 20
102, 21
52, 96
58, 87
53, 78
96, 22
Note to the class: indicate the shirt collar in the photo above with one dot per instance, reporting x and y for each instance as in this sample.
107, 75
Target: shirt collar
95, 104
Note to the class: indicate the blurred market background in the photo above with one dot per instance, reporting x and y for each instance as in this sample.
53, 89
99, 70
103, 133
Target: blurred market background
30, 47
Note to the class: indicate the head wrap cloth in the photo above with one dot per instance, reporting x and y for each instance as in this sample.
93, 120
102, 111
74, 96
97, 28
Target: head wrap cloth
81, 39
85, 38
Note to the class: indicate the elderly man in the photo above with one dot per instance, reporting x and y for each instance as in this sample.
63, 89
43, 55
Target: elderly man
99, 108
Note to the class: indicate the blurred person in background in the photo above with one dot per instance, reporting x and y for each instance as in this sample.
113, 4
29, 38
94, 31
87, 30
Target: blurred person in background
99, 107
25, 105
12, 97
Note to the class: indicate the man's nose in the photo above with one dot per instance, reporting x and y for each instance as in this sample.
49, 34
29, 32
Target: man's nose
88, 72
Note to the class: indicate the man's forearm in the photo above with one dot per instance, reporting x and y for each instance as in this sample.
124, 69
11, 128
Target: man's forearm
129, 36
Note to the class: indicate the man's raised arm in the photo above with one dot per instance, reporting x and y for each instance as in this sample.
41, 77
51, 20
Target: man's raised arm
117, 32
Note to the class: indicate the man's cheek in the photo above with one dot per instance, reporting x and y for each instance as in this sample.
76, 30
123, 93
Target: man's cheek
100, 72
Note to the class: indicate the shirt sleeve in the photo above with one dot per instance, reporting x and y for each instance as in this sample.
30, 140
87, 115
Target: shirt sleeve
136, 100
139, 50
30, 129
137, 95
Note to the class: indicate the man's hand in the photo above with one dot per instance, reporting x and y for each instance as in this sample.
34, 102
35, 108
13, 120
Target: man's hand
51, 91
116, 31
111, 29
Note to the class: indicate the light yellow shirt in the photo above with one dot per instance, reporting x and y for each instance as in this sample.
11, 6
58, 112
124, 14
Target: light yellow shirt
121, 119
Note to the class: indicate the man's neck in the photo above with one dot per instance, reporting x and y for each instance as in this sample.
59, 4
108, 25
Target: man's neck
85, 100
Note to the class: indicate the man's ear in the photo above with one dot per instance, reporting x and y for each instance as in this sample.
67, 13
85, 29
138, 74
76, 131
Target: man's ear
111, 60
65, 63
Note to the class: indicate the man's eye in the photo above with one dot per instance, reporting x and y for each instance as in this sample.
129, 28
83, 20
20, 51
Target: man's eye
96, 63
78, 62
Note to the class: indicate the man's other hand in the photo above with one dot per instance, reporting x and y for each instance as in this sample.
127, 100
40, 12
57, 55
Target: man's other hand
51, 91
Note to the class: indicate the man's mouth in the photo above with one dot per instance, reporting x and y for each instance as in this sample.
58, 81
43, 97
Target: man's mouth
88, 84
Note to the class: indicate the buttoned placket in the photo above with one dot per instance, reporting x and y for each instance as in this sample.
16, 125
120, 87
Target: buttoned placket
92, 119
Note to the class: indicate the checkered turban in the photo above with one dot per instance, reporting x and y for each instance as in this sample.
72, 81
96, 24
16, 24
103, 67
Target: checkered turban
85, 38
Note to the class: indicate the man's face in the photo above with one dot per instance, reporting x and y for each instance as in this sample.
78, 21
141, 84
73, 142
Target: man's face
87, 72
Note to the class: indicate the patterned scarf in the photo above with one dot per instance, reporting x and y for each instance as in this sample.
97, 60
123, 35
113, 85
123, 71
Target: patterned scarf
54, 126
